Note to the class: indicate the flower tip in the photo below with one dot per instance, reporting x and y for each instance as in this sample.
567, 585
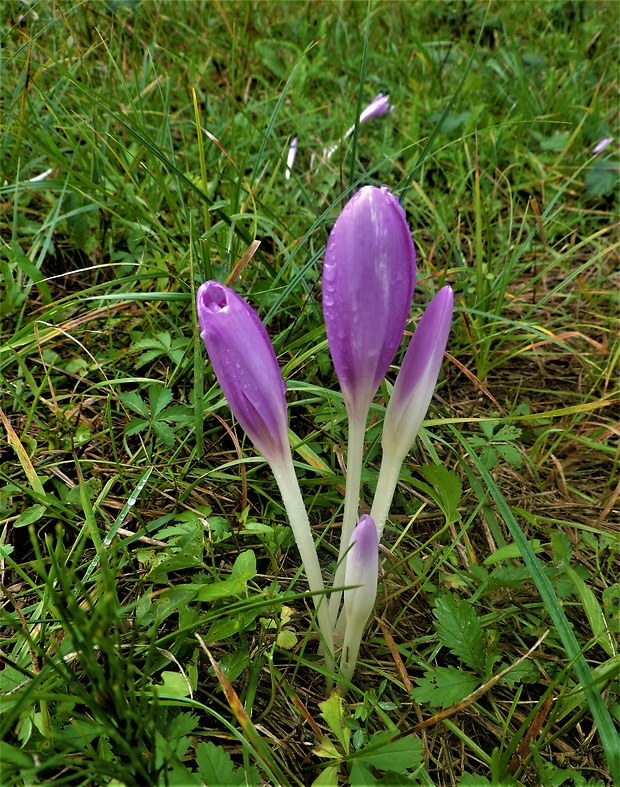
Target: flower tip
364, 539
211, 298
600, 146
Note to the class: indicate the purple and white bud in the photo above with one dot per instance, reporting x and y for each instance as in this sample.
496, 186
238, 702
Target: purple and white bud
361, 572
246, 367
380, 105
368, 281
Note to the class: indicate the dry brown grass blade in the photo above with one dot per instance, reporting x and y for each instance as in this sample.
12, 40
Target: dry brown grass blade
480, 385
242, 717
475, 695
532, 731
242, 470
238, 269
396, 656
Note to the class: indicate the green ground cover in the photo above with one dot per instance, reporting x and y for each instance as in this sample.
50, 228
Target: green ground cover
156, 627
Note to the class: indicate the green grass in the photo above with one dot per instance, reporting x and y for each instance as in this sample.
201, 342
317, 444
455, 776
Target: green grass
156, 624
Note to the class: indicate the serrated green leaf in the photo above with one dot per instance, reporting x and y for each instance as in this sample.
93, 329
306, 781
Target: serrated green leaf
215, 766
397, 756
134, 402
444, 686
181, 725
489, 457
135, 426
159, 398
460, 630
511, 454
487, 428
507, 433
449, 487
602, 178
164, 432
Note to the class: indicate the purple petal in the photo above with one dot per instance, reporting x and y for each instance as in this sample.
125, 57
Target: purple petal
600, 146
246, 367
418, 374
378, 106
368, 280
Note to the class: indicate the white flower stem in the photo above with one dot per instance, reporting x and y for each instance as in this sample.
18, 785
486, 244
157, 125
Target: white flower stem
355, 456
284, 473
386, 486
350, 650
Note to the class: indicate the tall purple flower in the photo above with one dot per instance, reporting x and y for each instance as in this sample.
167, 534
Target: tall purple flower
245, 363
368, 281
247, 369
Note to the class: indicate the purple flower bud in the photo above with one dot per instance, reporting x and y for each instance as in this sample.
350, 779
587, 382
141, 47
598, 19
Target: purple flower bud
377, 107
418, 375
290, 159
368, 280
246, 367
600, 146
362, 570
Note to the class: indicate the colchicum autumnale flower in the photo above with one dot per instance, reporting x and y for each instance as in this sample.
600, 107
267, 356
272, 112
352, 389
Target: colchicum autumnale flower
362, 572
380, 105
368, 281
411, 397
247, 369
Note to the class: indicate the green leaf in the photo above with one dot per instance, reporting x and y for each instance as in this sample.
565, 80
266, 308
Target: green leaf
135, 426
174, 685
507, 433
602, 178
327, 777
135, 403
159, 398
360, 776
333, 711
611, 607
474, 780
397, 756
460, 630
286, 639
449, 487
444, 686
215, 766
164, 432
30, 515
14, 755
511, 454
511, 552
245, 566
